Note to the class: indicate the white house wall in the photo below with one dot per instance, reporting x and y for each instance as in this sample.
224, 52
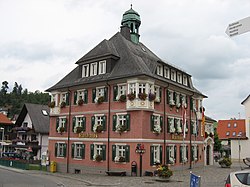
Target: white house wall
27, 120
43, 142
244, 152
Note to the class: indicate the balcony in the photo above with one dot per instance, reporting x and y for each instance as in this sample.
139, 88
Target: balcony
140, 104
55, 110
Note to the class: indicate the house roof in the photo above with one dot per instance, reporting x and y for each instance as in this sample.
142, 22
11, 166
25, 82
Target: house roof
209, 119
40, 121
131, 60
227, 130
4, 120
245, 99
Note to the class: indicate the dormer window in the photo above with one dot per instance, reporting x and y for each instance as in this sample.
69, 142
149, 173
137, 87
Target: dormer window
159, 70
102, 67
185, 80
93, 69
166, 72
173, 75
179, 78
85, 70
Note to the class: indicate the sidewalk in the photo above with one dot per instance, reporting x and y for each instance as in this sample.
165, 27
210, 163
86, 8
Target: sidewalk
211, 176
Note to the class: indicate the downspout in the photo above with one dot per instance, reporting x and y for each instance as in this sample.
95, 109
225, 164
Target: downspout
190, 135
108, 126
164, 124
68, 131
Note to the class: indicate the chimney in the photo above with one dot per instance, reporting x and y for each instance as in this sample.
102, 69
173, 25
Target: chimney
125, 31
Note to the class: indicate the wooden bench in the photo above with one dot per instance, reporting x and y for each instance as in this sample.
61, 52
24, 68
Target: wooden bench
247, 161
116, 173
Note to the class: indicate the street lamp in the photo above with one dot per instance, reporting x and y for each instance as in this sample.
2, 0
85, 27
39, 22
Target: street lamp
2, 140
239, 136
140, 150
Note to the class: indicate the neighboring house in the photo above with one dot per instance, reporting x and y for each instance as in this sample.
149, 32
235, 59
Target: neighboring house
232, 133
209, 140
32, 128
122, 99
5, 131
245, 152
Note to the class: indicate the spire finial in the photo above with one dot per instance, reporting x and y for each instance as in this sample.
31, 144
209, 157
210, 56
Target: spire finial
131, 5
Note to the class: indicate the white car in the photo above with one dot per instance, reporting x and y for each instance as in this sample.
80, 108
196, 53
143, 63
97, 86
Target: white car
238, 179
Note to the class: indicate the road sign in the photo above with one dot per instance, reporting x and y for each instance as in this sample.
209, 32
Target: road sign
238, 27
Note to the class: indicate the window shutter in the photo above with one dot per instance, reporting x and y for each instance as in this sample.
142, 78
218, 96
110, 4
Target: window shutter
67, 98
175, 97
72, 150
186, 100
181, 125
167, 154
64, 149
175, 123
128, 122
93, 95
161, 122
105, 94
197, 152
91, 151
56, 146
85, 92
113, 152
57, 123
115, 92
92, 122
103, 152
104, 121
175, 153
181, 154
83, 151
73, 123
84, 123
161, 154
168, 126
168, 96
151, 155
187, 151
160, 94
191, 104
181, 98
75, 97
152, 122
127, 154
192, 127
65, 125
114, 122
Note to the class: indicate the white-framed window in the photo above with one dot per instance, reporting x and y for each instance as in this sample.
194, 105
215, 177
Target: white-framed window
60, 149
173, 75
234, 134
185, 81
98, 122
235, 125
98, 151
184, 100
93, 69
61, 124
132, 88
177, 100
171, 154
179, 77
102, 67
171, 100
178, 125
142, 87
155, 150
54, 98
100, 91
78, 150
166, 72
159, 70
228, 125
184, 156
80, 95
157, 93
228, 133
121, 90
195, 151
79, 123
121, 122
85, 70
63, 97
171, 127
194, 125
156, 123
121, 119
120, 153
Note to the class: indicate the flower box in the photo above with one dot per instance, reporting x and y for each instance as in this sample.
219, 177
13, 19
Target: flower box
80, 102
151, 97
100, 100
122, 98
63, 104
52, 104
97, 157
142, 96
97, 128
131, 96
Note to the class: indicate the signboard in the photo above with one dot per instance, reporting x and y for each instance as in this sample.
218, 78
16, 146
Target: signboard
195, 181
238, 27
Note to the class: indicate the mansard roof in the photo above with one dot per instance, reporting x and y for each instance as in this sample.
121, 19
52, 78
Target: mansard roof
131, 60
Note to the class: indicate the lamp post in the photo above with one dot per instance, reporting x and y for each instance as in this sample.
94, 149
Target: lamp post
140, 150
239, 136
2, 140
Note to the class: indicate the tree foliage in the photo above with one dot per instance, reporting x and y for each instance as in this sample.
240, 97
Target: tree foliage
15, 99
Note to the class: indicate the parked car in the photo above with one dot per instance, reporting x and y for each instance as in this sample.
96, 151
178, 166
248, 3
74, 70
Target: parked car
11, 155
238, 179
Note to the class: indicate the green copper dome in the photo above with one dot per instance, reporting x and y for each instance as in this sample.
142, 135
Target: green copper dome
132, 19
131, 15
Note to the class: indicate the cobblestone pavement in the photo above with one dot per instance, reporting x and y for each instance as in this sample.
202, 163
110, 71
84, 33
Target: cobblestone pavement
211, 176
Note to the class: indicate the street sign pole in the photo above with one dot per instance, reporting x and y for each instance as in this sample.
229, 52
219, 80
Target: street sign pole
238, 27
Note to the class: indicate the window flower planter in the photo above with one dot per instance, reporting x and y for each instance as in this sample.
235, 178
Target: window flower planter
151, 97
80, 102
171, 160
157, 129
122, 98
119, 159
142, 96
120, 128
97, 128
60, 130
78, 129
100, 100
97, 157
51, 104
63, 104
131, 96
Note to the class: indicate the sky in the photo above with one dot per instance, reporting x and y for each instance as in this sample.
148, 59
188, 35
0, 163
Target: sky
40, 41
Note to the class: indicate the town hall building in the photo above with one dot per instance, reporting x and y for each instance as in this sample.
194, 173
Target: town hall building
123, 103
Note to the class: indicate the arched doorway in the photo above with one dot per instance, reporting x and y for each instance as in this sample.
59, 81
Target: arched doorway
208, 151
